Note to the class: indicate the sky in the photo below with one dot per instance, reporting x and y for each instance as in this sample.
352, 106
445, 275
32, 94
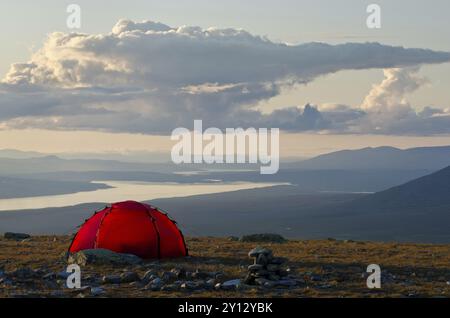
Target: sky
128, 83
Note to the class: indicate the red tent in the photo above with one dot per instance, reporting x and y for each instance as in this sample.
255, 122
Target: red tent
133, 228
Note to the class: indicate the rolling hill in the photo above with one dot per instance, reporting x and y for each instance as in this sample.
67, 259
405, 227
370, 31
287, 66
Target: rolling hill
417, 211
428, 192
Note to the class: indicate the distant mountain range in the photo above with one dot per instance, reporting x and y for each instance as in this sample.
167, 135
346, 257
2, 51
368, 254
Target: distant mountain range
364, 170
19, 166
384, 158
432, 158
18, 154
127, 156
417, 211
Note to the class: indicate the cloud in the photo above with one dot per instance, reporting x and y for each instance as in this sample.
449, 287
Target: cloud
390, 94
387, 109
148, 77
150, 54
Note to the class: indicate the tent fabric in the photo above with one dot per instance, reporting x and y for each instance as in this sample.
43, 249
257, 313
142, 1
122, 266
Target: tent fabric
133, 228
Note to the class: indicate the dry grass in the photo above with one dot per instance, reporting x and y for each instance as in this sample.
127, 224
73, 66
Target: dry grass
410, 269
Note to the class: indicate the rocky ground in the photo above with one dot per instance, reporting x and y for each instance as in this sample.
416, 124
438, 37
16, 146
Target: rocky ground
219, 267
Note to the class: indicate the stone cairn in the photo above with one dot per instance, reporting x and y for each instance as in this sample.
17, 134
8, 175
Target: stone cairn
267, 270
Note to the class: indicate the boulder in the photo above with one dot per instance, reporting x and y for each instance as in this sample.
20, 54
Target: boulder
168, 276
154, 285
49, 276
259, 251
265, 237
180, 272
16, 236
112, 279
189, 285
62, 275
97, 291
201, 275
286, 283
149, 276
129, 277
136, 284
267, 270
231, 284
210, 283
102, 257
219, 275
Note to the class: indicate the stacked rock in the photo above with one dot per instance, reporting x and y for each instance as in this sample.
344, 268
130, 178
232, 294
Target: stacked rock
266, 270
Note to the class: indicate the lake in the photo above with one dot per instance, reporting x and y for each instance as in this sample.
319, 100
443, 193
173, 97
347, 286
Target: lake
127, 190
